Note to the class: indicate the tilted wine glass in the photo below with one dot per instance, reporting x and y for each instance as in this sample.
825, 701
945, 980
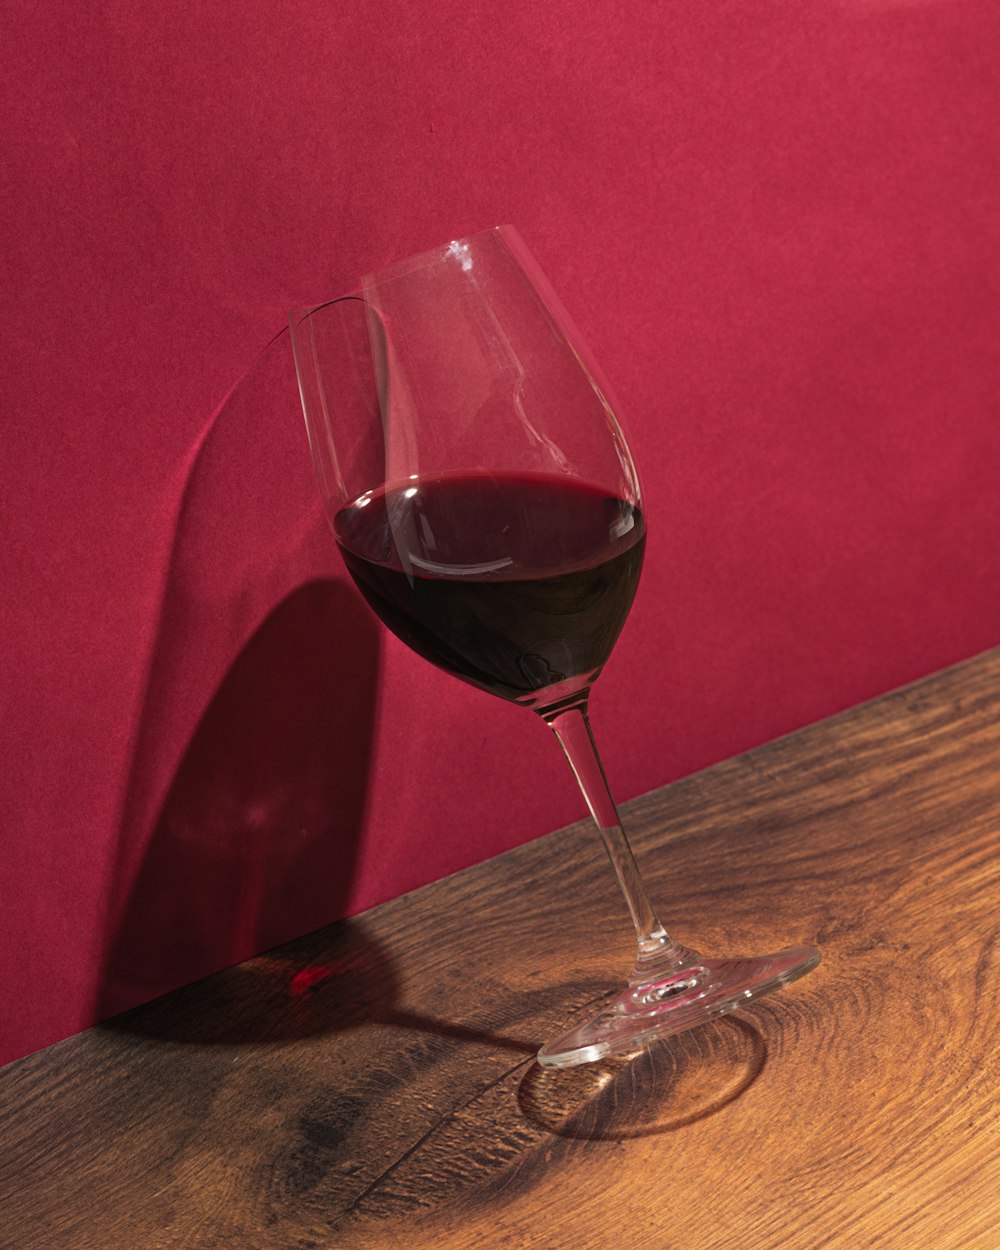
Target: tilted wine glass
485, 502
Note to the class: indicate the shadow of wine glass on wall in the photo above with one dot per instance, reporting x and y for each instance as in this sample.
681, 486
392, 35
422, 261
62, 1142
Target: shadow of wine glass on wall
246, 795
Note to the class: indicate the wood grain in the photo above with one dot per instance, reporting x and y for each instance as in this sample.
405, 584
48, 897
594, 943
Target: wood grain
374, 1086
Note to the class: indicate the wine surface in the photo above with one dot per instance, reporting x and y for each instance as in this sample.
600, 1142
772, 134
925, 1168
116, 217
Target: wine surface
514, 583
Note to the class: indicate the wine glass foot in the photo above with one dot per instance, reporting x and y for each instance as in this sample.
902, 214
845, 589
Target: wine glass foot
688, 996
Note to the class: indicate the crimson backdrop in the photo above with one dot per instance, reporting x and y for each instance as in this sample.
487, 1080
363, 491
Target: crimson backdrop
778, 226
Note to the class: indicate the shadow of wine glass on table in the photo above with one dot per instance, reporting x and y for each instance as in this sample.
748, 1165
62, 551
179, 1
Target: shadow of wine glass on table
677, 1081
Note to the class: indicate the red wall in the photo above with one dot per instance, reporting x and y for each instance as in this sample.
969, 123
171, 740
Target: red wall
778, 226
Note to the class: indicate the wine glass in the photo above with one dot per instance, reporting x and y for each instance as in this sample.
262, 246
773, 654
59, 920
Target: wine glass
485, 502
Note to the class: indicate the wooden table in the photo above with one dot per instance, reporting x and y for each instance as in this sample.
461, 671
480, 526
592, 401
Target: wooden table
373, 1085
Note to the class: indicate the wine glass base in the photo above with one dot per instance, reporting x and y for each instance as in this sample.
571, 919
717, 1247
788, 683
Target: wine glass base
699, 991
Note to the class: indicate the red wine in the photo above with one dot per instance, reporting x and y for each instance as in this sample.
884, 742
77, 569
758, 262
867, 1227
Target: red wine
515, 583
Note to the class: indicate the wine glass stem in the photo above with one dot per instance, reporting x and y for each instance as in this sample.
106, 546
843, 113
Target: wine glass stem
658, 954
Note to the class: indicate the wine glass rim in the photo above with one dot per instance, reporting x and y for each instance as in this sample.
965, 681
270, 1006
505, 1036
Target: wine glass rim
455, 248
